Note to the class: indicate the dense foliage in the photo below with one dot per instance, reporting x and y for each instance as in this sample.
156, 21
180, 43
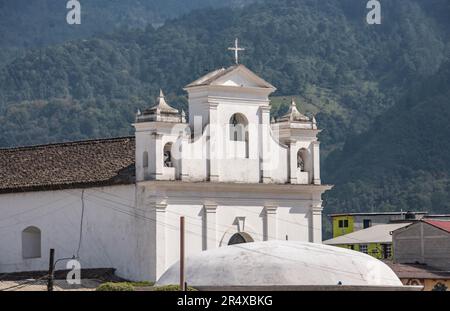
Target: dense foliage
403, 161
384, 126
41, 22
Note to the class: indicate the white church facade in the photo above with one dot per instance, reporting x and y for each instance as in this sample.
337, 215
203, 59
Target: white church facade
235, 174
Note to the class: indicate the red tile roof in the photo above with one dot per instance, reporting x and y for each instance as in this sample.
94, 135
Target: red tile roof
67, 165
441, 224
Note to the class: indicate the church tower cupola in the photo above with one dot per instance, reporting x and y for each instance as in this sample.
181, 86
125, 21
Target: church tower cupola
293, 115
161, 112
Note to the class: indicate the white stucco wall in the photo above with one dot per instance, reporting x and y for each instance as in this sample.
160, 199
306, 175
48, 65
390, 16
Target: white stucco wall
109, 228
214, 212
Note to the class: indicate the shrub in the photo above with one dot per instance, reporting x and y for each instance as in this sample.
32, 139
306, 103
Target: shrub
142, 284
116, 287
172, 288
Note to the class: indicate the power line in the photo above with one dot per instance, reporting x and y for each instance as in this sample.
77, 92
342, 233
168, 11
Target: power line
81, 223
246, 210
194, 233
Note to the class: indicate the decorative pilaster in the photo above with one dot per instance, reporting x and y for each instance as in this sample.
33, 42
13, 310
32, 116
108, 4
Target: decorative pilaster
160, 238
270, 222
293, 161
316, 163
214, 143
159, 154
315, 222
265, 150
210, 226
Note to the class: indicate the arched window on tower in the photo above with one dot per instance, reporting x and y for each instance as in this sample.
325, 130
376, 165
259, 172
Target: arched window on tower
239, 131
168, 161
301, 159
31, 243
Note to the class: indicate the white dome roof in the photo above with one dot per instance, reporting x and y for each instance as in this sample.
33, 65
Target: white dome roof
282, 263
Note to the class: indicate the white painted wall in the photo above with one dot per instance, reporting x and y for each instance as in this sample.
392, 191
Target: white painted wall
213, 213
109, 233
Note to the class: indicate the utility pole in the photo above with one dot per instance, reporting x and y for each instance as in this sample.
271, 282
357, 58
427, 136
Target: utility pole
51, 271
182, 276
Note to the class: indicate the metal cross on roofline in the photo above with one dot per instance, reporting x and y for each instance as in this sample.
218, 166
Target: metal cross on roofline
236, 50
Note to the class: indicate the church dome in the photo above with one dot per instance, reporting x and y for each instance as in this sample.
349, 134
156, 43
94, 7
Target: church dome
282, 263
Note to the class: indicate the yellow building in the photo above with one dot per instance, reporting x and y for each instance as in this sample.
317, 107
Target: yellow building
346, 223
375, 241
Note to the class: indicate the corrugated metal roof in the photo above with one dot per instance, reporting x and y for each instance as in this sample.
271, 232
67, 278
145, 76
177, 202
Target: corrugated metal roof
375, 234
376, 214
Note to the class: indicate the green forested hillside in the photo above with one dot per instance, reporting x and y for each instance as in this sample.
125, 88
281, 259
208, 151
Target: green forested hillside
41, 22
403, 161
297, 45
361, 81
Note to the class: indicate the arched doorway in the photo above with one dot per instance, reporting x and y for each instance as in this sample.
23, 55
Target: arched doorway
239, 238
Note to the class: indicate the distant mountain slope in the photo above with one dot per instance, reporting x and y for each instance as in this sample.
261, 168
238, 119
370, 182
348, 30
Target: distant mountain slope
381, 93
28, 23
300, 46
403, 161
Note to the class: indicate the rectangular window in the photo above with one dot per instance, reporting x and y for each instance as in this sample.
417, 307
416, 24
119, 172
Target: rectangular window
387, 251
367, 223
343, 223
363, 248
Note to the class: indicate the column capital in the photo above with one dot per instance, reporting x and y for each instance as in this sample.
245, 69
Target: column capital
270, 209
265, 109
156, 135
213, 106
291, 141
161, 206
316, 208
210, 207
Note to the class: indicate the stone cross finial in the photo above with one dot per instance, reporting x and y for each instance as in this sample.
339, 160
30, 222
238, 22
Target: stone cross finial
236, 50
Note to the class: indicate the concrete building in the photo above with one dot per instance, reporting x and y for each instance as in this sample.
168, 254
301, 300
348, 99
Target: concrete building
425, 242
235, 175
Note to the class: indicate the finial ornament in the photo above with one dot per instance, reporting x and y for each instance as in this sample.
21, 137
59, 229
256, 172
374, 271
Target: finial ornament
314, 123
236, 50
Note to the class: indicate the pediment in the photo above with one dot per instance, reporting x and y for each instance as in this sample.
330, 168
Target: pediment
235, 76
242, 78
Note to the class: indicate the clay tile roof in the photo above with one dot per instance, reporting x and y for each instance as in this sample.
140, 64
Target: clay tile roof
441, 224
417, 271
67, 165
